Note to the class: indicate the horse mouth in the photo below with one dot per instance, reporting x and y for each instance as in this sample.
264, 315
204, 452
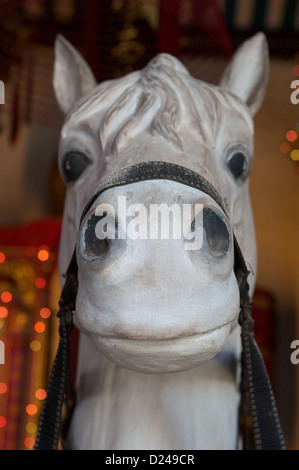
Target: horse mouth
164, 355
163, 340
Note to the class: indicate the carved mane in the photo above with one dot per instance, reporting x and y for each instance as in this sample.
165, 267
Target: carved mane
158, 99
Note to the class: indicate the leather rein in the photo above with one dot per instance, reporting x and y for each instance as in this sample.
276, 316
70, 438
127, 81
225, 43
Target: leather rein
257, 398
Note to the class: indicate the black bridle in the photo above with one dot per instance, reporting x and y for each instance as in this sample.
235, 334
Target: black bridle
255, 384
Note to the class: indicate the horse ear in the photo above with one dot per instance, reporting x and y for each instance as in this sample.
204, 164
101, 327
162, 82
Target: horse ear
72, 77
247, 73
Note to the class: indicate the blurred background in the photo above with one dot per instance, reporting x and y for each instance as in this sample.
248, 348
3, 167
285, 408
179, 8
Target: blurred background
116, 37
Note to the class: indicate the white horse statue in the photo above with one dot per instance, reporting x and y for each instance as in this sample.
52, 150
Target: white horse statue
159, 352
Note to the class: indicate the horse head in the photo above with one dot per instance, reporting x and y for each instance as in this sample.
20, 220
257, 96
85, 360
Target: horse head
158, 303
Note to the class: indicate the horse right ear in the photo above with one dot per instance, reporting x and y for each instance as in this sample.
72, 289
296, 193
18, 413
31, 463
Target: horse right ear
72, 77
247, 73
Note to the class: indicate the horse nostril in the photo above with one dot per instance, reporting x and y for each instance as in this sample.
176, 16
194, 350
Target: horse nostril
93, 246
217, 233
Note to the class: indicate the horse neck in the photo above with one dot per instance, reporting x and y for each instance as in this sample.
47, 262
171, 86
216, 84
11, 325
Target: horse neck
125, 409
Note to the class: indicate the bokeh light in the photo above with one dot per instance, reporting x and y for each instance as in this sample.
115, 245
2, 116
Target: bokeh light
2, 257
295, 155
291, 135
285, 147
3, 312
3, 421
29, 442
35, 345
3, 388
20, 321
43, 255
40, 394
40, 282
6, 297
31, 409
39, 327
45, 312
31, 427
296, 70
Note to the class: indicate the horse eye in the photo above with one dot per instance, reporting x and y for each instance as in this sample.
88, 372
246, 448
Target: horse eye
74, 164
237, 165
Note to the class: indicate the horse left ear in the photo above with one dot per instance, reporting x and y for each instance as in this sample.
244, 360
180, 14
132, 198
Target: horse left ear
248, 71
72, 77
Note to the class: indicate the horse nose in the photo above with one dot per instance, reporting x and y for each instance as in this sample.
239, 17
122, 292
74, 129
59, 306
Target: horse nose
216, 232
99, 234
91, 246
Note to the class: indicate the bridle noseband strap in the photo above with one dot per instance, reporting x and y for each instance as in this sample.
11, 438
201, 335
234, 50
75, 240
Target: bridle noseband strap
255, 381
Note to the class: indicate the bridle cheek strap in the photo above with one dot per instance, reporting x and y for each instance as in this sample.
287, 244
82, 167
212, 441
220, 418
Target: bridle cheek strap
59, 390
255, 384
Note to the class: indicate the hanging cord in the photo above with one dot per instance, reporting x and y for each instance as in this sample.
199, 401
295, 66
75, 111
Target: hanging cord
266, 427
255, 384
59, 389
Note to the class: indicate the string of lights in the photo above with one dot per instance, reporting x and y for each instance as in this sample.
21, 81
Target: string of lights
27, 330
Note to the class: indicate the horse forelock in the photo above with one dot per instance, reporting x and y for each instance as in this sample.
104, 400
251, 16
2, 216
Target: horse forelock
157, 99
